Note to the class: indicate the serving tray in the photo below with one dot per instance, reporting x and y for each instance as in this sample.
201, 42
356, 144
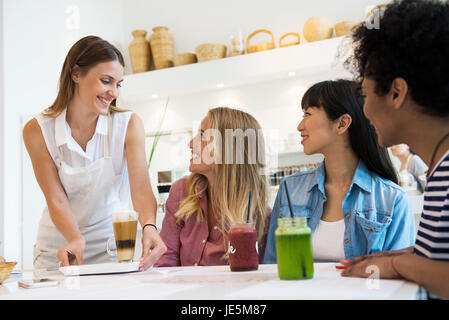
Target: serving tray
100, 268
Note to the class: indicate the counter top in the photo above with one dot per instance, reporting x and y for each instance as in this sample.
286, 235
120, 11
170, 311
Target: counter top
209, 283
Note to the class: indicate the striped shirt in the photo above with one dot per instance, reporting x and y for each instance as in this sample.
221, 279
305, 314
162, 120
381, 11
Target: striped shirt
432, 240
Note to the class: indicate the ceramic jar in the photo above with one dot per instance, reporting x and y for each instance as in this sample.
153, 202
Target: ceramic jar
162, 47
140, 52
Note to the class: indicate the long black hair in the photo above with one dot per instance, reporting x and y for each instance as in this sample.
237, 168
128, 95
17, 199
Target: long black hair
339, 97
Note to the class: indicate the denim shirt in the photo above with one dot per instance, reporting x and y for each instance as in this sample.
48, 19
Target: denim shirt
377, 213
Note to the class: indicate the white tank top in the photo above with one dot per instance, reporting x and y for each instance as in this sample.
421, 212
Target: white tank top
327, 241
57, 133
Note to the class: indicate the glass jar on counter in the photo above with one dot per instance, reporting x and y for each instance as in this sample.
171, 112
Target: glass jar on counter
237, 46
294, 249
243, 251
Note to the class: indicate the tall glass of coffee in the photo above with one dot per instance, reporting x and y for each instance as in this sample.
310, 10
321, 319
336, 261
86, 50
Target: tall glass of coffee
125, 229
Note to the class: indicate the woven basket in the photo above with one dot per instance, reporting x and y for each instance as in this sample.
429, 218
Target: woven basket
344, 28
210, 51
281, 45
378, 7
185, 58
262, 46
5, 270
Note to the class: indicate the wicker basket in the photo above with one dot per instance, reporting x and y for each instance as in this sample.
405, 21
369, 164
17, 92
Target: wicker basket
185, 58
344, 28
379, 7
262, 46
5, 270
281, 45
210, 51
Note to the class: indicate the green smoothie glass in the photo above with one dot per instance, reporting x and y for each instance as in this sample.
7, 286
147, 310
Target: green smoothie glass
294, 249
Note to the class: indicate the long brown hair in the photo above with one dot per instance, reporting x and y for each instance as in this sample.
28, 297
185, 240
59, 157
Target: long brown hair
234, 181
85, 53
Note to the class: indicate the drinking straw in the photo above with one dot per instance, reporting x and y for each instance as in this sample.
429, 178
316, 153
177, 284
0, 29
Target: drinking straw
304, 273
249, 205
288, 199
157, 135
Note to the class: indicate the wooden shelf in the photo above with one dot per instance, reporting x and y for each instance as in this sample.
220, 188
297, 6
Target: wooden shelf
310, 62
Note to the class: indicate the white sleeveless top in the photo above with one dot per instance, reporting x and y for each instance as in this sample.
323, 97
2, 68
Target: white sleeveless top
327, 241
57, 133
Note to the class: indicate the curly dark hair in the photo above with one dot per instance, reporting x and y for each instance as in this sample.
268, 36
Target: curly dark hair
411, 42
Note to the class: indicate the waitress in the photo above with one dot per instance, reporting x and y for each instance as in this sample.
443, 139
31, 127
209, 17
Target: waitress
88, 157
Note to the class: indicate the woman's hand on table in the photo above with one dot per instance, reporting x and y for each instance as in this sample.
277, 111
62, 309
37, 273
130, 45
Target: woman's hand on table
71, 252
152, 248
379, 262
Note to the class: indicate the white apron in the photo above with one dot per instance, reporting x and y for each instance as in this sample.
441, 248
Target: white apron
93, 194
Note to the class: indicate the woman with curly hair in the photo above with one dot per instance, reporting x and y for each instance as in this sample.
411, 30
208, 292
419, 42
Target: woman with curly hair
404, 69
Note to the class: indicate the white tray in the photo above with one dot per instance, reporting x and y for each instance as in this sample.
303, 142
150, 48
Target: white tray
100, 268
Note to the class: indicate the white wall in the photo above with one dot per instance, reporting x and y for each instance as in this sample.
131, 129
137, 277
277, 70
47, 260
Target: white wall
38, 34
204, 21
1, 129
276, 105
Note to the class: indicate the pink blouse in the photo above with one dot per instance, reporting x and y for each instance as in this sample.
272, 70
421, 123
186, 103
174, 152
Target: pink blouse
190, 243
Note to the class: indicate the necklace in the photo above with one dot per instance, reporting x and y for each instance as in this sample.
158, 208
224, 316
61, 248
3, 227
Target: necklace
435, 152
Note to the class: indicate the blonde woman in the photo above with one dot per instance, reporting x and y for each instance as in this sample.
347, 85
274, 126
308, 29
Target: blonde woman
226, 164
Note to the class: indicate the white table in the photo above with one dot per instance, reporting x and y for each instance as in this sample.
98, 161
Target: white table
211, 283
